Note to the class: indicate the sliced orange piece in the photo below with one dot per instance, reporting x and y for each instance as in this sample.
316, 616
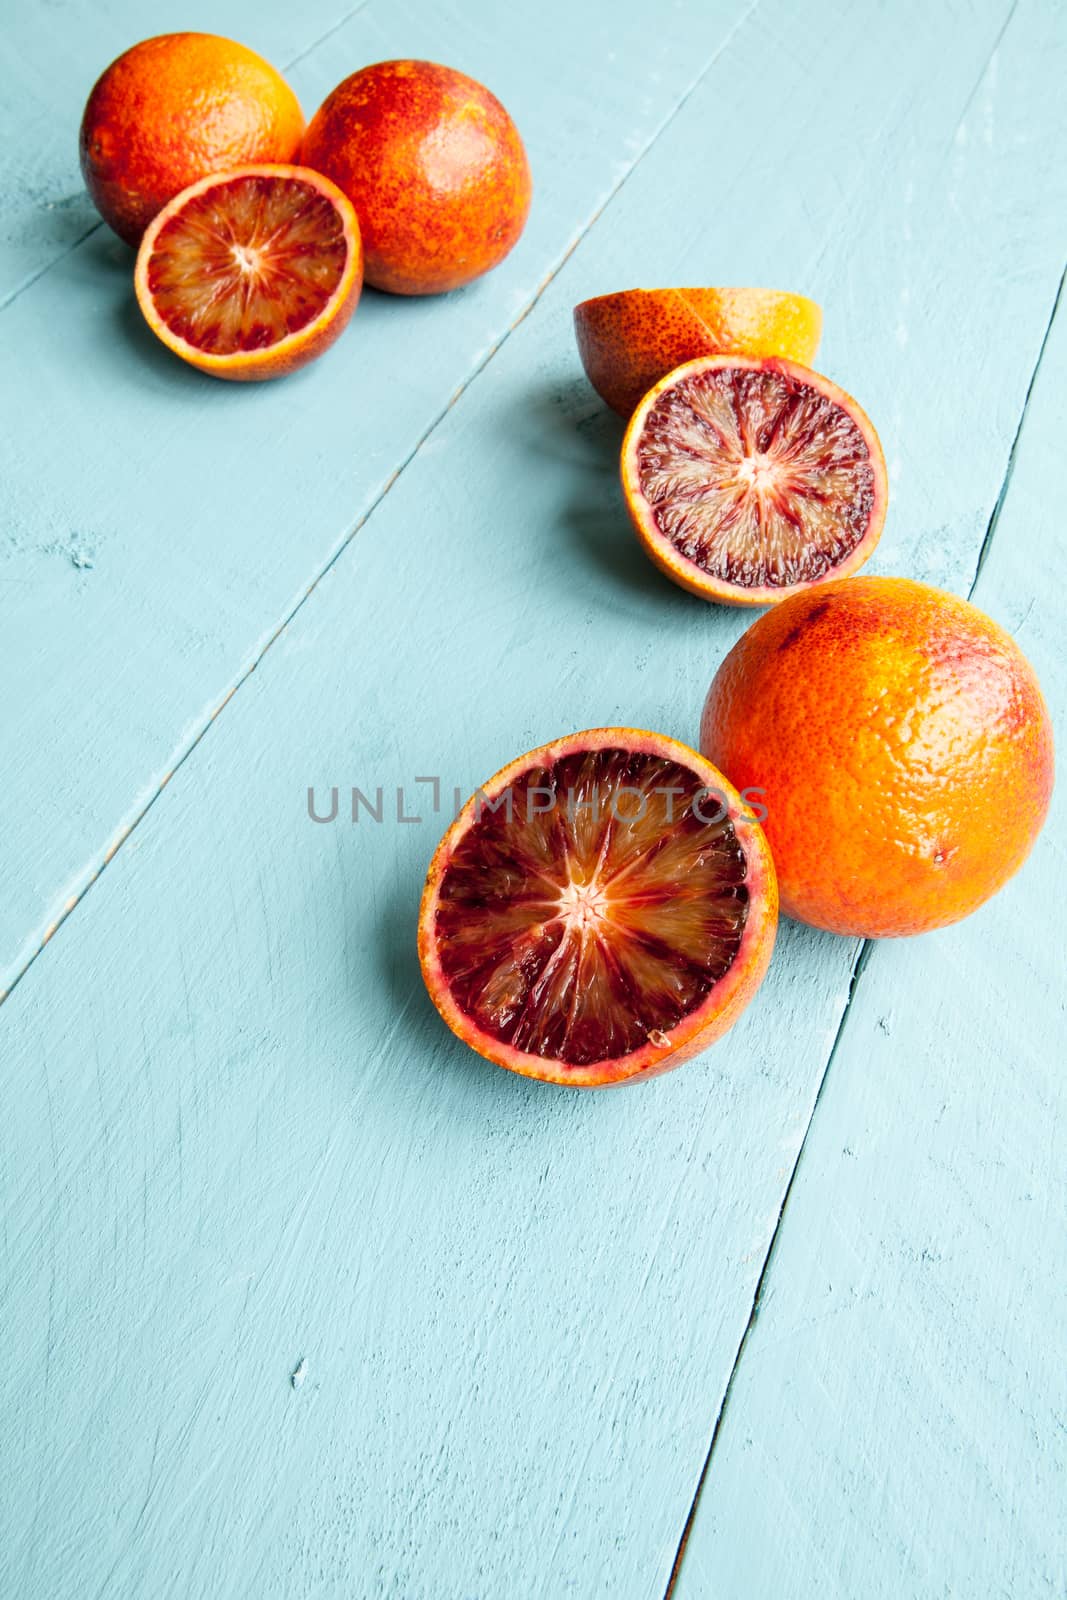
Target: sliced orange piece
629, 341
750, 479
600, 910
251, 273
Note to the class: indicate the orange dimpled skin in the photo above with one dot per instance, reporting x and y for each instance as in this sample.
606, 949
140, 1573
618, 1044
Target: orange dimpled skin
629, 341
175, 109
903, 746
435, 168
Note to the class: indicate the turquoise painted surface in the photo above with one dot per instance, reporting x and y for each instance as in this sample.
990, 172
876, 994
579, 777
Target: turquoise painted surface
238, 1137
120, 569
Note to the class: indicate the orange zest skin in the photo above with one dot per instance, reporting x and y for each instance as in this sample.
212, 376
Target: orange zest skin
903, 745
196, 252
696, 1029
665, 554
630, 340
434, 166
174, 109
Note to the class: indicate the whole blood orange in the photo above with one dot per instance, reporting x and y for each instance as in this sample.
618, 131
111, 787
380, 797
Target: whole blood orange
904, 749
251, 273
600, 910
434, 167
174, 109
629, 341
748, 479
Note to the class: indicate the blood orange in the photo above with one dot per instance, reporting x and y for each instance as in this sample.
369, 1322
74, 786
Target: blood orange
748, 479
252, 273
434, 166
630, 340
173, 109
904, 747
600, 910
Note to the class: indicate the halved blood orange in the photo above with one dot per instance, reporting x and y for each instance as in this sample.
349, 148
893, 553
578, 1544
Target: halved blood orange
251, 273
600, 910
749, 479
630, 340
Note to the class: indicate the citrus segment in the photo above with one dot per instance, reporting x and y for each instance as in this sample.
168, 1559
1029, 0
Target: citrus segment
253, 273
630, 340
903, 745
174, 109
747, 479
601, 909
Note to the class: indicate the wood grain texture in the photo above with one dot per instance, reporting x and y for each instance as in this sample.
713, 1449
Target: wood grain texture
896, 1425
161, 526
242, 1140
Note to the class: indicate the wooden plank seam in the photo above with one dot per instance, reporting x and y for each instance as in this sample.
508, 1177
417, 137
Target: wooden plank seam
182, 755
862, 959
866, 950
1003, 492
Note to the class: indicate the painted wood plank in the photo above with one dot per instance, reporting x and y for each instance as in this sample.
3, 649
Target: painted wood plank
896, 1426
50, 56
160, 526
241, 1140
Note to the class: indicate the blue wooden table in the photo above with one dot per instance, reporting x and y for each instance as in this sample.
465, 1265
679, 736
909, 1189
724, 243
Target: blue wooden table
298, 1297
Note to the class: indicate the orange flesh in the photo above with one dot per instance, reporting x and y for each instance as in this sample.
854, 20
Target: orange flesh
247, 263
756, 477
590, 908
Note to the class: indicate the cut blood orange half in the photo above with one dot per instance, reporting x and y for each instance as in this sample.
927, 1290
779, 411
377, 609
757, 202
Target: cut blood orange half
600, 910
630, 340
251, 273
749, 479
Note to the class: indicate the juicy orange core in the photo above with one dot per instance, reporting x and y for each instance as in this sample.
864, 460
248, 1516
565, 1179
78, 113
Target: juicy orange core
247, 263
757, 478
592, 906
